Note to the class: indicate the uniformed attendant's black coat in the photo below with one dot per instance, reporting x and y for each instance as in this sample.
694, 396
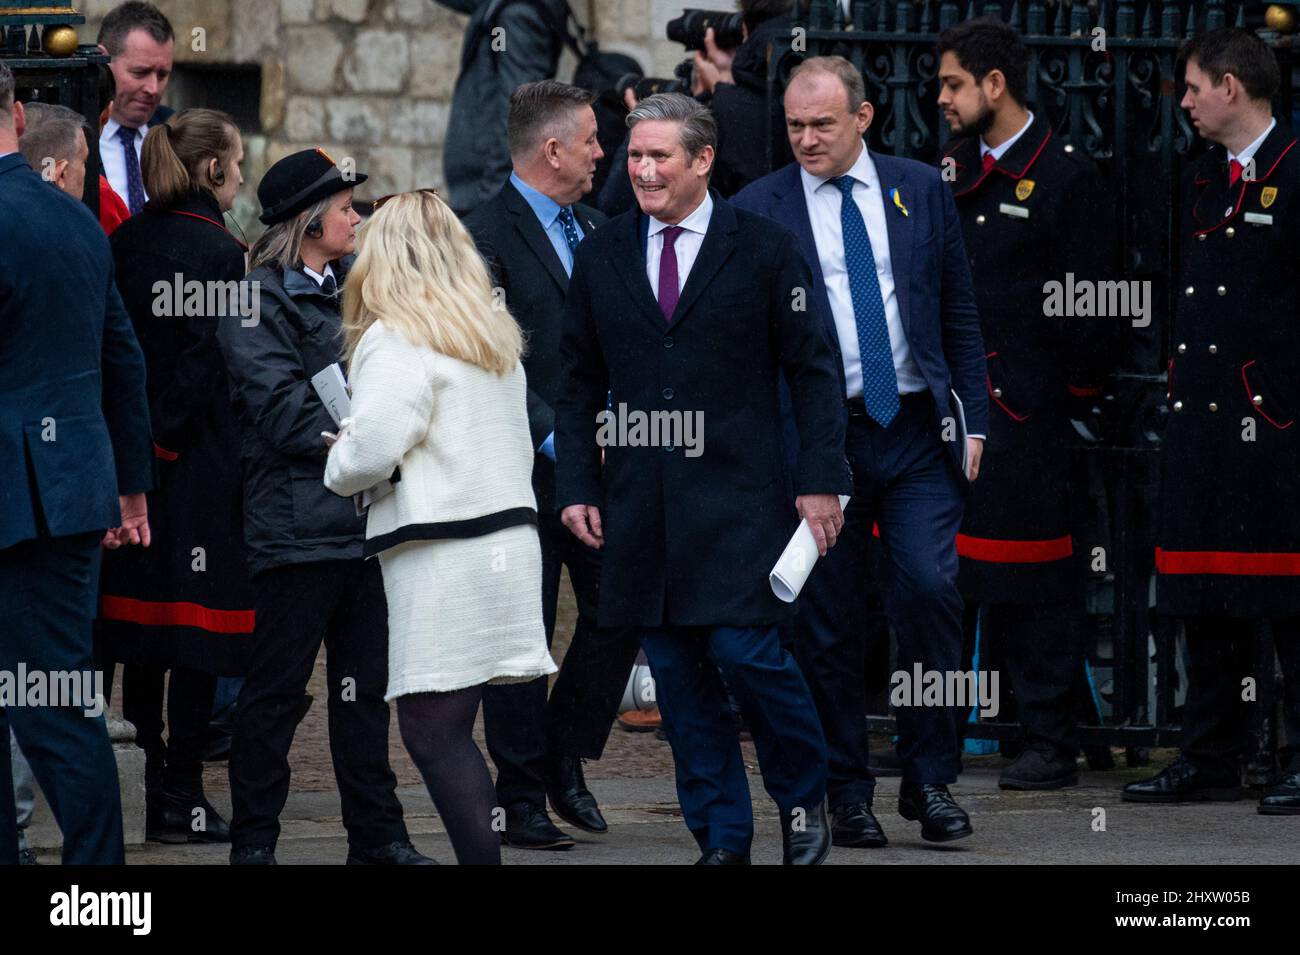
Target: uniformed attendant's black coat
1038, 215
1229, 535
184, 601
689, 541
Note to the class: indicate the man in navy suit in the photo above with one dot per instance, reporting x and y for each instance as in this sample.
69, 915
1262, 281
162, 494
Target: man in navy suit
75, 460
892, 283
681, 315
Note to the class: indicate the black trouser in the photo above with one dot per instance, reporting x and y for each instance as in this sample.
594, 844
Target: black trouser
177, 764
48, 591
340, 602
1220, 654
517, 719
1040, 648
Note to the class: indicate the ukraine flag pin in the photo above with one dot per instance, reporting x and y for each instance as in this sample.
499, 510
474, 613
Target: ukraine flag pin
898, 200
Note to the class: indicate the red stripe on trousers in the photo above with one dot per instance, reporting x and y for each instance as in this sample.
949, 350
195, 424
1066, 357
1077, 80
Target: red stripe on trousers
176, 614
1234, 562
1009, 551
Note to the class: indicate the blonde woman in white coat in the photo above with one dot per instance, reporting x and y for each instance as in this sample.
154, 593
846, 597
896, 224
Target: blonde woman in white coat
439, 404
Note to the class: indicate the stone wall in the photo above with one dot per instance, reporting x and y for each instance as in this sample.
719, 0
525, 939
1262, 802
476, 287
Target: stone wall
369, 79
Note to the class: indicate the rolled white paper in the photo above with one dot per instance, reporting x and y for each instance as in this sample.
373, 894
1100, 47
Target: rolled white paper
796, 562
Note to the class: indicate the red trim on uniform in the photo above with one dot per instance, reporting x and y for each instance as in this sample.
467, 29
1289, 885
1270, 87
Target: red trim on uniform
1007, 172
1241, 195
1079, 392
160, 452
1259, 409
195, 215
1014, 551
1231, 562
998, 401
154, 613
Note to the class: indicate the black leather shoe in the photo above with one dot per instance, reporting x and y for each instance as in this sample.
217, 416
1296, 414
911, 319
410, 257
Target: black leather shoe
395, 853
723, 857
854, 826
806, 838
176, 817
1040, 766
252, 855
1283, 797
1184, 781
528, 827
942, 820
570, 798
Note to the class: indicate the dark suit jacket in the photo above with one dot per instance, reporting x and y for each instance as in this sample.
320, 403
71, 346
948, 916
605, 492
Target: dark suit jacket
74, 420
936, 296
525, 266
690, 540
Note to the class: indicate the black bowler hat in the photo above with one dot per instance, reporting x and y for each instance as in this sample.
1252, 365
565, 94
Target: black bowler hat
297, 181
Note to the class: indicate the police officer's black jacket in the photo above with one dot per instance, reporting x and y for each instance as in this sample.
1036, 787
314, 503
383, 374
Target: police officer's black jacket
289, 515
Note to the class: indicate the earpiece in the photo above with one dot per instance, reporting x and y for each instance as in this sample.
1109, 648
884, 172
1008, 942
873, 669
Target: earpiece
217, 174
314, 229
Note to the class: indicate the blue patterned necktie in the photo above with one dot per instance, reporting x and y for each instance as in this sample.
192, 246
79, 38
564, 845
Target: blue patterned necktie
134, 183
570, 229
879, 382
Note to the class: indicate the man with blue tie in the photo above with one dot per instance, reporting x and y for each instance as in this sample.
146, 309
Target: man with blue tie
140, 41
892, 283
686, 309
529, 234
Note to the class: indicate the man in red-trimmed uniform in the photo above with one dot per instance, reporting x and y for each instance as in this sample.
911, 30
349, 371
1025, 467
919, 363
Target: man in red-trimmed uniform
1031, 213
1228, 552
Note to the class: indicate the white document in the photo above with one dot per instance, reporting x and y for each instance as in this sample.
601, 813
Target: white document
960, 409
332, 387
796, 562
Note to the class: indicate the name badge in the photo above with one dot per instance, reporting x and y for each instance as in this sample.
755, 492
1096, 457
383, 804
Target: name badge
1259, 218
1007, 209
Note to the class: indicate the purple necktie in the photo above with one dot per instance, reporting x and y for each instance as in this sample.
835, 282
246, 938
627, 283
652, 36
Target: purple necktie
668, 290
135, 198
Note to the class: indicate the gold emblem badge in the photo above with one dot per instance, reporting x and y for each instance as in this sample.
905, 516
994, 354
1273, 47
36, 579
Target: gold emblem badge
1024, 189
1267, 196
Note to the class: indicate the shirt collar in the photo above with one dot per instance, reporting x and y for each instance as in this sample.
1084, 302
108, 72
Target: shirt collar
697, 221
1244, 156
1000, 151
110, 129
317, 277
544, 207
863, 170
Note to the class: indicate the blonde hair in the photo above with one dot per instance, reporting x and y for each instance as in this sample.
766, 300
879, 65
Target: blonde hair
418, 270
175, 154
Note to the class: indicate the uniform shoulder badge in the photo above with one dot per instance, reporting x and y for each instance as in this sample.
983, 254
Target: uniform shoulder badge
1024, 189
1267, 196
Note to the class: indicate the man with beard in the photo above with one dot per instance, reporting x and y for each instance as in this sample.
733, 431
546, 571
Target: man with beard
1031, 211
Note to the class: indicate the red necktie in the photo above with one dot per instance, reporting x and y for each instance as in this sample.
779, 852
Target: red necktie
668, 290
1234, 172
989, 162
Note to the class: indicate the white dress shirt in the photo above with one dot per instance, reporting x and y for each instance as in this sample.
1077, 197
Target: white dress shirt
1000, 151
1248, 153
823, 199
114, 163
687, 245
317, 277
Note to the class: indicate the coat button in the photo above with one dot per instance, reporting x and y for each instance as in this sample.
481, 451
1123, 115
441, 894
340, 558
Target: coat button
1227, 212
1214, 349
1213, 406
1257, 400
1188, 291
1230, 231
668, 394
997, 392
1201, 237
1178, 406
1069, 148
979, 220
1182, 349
668, 341
1222, 290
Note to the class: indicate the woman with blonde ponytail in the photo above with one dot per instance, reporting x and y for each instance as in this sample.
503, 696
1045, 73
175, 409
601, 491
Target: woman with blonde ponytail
184, 605
439, 408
